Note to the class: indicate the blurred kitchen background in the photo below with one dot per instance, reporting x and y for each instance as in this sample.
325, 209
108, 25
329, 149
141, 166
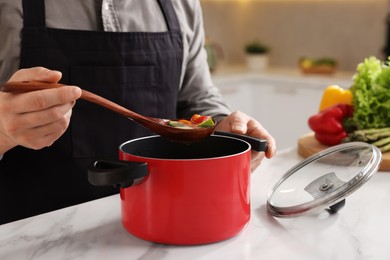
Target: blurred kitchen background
282, 97
348, 30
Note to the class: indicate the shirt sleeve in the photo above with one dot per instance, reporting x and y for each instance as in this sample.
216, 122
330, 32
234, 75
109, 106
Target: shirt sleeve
11, 21
198, 94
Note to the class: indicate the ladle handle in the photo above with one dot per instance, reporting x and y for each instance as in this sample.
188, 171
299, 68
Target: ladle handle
28, 86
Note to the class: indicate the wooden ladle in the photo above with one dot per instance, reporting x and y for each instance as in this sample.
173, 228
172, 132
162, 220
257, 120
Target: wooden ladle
157, 125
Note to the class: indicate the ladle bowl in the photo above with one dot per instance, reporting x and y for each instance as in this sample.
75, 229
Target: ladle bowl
156, 125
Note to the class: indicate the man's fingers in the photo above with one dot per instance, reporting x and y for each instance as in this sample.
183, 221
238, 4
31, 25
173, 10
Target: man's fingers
44, 135
44, 99
38, 74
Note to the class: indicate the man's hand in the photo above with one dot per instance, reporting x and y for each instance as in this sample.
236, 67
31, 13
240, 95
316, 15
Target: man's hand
35, 119
241, 123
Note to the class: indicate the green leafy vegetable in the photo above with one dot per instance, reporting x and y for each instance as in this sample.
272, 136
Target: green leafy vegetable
380, 137
371, 94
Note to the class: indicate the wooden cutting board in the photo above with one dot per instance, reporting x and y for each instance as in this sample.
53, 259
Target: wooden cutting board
308, 145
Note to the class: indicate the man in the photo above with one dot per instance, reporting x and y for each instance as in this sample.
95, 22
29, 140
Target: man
146, 55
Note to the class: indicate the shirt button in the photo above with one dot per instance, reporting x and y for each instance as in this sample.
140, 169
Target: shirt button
106, 6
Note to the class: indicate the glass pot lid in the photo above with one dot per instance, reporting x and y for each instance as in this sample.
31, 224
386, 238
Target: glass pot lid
324, 180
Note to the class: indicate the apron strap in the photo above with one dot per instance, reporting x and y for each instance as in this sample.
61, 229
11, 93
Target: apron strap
34, 13
169, 15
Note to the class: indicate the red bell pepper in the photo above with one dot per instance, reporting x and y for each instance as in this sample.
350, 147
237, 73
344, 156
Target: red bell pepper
197, 119
328, 124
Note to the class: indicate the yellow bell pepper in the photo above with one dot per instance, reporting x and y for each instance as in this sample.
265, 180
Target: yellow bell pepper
334, 95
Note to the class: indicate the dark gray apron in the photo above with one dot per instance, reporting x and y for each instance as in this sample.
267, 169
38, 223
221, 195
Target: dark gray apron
139, 70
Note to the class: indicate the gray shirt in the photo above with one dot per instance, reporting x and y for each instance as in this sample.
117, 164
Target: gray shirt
196, 88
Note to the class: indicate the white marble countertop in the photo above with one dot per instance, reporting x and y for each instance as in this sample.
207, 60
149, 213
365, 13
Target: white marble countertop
361, 230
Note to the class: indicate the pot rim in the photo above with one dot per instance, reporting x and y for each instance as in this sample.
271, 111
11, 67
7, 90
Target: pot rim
187, 159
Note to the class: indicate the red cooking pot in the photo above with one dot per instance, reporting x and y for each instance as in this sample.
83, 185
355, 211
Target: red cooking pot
182, 194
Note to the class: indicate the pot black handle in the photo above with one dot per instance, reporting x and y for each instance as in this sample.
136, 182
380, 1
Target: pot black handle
121, 174
259, 145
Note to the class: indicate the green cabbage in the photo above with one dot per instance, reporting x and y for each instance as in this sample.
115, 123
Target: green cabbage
371, 94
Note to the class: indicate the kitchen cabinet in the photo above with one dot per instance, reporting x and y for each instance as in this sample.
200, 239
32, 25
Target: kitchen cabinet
284, 109
281, 102
239, 95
